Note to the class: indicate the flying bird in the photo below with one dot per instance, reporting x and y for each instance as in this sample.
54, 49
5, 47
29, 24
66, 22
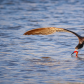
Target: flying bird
51, 30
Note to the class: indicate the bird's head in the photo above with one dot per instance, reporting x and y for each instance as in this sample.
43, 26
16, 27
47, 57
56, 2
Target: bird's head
76, 51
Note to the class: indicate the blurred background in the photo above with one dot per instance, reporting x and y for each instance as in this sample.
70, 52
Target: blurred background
40, 59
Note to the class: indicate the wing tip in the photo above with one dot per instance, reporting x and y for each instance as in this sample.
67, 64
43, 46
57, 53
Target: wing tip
27, 33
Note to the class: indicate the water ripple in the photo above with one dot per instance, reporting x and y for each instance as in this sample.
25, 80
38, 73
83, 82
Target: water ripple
40, 59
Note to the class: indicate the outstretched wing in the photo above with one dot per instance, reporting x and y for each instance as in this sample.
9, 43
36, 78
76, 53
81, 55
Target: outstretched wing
48, 30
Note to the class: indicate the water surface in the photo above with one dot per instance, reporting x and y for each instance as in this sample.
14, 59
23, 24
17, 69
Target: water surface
40, 59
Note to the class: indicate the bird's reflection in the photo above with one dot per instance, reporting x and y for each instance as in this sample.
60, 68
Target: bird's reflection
78, 57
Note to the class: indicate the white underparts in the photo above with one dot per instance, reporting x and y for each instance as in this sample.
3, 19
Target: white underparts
76, 49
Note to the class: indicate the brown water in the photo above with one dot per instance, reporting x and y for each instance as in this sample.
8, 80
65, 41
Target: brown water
40, 59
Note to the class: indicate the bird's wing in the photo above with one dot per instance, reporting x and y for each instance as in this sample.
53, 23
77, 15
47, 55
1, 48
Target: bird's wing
48, 30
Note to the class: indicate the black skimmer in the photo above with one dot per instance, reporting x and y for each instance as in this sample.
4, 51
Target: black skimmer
50, 30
